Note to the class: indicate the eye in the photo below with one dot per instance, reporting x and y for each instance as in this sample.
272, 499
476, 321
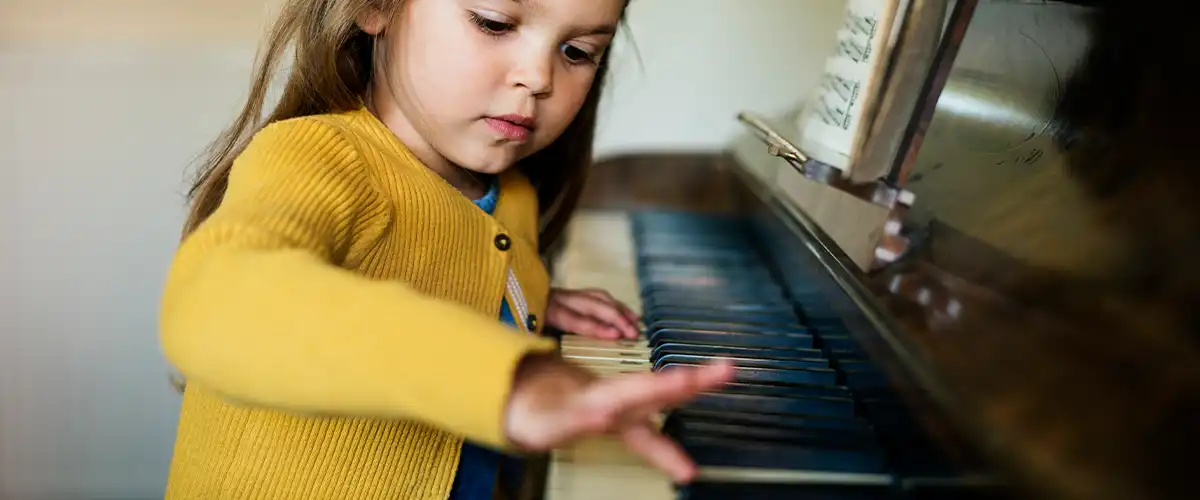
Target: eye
490, 26
577, 55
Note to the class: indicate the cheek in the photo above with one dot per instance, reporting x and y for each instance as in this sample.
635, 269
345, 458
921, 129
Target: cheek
570, 92
441, 66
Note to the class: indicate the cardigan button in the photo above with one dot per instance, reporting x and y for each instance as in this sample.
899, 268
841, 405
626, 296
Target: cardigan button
531, 323
503, 242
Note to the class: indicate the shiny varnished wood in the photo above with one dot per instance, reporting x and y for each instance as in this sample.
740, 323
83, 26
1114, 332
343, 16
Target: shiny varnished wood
988, 164
702, 182
1050, 300
1057, 290
1046, 320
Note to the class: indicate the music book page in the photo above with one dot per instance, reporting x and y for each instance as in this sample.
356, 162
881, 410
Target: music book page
833, 125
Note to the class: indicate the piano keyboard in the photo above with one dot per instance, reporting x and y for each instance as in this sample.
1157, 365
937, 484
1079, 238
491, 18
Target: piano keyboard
807, 415
599, 253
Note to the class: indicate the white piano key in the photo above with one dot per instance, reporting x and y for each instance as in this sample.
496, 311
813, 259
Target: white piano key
625, 344
588, 355
599, 253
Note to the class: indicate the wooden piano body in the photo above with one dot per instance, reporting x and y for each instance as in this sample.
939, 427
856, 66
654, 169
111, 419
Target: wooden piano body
1012, 320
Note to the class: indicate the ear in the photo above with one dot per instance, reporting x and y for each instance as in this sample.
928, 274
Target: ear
373, 22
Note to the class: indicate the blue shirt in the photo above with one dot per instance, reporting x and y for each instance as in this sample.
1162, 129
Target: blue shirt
479, 466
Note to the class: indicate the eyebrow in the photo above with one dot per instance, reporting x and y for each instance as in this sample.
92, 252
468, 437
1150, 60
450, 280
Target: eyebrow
603, 29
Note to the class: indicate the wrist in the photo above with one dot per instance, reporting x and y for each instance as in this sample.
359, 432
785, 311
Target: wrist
545, 388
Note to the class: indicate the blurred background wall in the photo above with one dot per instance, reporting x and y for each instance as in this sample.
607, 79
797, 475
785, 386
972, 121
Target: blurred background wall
104, 106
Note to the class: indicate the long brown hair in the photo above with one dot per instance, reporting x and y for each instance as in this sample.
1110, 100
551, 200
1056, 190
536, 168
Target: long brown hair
332, 68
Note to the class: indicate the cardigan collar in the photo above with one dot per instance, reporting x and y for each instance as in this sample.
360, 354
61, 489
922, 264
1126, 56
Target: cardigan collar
517, 206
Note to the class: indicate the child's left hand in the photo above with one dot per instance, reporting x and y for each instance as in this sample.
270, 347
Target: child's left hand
591, 313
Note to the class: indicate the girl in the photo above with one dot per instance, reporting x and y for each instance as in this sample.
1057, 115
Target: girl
334, 302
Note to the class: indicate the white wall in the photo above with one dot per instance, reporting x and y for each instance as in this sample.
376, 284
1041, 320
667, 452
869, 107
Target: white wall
702, 61
102, 116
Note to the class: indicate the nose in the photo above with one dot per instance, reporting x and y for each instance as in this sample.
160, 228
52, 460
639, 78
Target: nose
534, 71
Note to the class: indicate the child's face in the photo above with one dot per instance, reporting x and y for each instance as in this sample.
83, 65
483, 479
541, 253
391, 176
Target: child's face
461, 72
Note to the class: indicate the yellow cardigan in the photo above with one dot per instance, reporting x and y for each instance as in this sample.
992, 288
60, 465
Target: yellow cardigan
336, 320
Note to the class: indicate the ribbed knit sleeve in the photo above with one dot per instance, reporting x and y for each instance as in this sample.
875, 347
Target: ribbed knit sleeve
257, 308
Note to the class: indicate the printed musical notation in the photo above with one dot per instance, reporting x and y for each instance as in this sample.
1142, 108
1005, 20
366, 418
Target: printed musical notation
861, 25
832, 123
844, 88
854, 40
853, 50
836, 101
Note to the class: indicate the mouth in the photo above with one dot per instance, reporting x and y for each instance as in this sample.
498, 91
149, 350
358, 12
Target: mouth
515, 128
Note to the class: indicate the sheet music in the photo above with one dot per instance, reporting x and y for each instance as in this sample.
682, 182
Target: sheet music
833, 117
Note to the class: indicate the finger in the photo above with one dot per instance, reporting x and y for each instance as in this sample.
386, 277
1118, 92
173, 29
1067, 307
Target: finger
625, 310
647, 392
661, 452
604, 295
601, 310
574, 322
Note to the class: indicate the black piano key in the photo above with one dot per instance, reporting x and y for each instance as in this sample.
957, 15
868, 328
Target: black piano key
695, 237
701, 294
704, 296
791, 391
739, 327
684, 430
824, 316
865, 380
957, 492
797, 406
680, 216
694, 266
748, 270
669, 314
855, 364
811, 298
812, 355
806, 396
745, 273
650, 304
741, 277
760, 375
839, 342
738, 387
725, 257
716, 490
750, 362
788, 341
713, 225
718, 284
684, 242
853, 426
710, 285
746, 293
706, 451
684, 229
840, 354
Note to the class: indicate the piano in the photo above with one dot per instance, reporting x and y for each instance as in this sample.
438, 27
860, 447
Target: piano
952, 319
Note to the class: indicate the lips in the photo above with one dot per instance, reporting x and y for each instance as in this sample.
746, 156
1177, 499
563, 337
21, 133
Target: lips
515, 128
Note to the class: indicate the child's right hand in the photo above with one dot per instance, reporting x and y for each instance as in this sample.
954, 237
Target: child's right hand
554, 403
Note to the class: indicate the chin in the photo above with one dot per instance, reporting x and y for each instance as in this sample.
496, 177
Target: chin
488, 165
490, 160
